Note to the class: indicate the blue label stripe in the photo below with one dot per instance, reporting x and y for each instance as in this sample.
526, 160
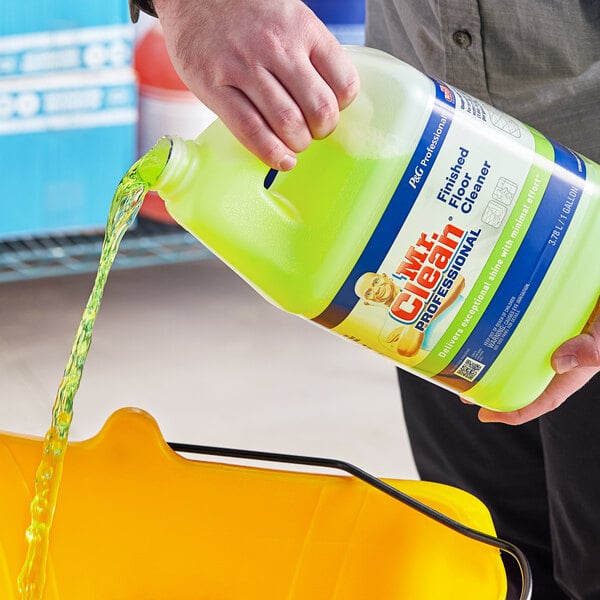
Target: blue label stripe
531, 262
399, 207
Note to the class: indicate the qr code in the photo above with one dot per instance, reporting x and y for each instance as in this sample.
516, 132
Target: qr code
469, 369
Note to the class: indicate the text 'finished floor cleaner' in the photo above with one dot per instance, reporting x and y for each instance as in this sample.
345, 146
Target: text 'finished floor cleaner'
429, 227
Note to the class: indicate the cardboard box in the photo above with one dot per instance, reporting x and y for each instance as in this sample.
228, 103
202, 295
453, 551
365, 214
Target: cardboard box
68, 114
86, 48
65, 142
22, 16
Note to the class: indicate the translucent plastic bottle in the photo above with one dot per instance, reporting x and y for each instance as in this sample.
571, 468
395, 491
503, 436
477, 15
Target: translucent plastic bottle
430, 227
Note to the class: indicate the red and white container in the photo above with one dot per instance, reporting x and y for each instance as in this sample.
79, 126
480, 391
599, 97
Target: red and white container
166, 106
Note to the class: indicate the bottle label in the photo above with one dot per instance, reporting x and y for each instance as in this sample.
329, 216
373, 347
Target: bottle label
464, 243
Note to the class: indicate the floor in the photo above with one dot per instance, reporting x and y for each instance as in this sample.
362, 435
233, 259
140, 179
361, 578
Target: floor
208, 358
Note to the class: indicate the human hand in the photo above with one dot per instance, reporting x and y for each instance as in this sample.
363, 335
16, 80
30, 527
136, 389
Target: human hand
575, 363
269, 69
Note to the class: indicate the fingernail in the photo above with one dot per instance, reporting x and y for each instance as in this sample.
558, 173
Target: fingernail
564, 364
287, 162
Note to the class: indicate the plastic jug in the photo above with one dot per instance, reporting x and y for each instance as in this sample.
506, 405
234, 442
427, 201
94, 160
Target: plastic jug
429, 227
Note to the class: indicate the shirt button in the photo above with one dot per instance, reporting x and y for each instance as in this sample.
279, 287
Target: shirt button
462, 38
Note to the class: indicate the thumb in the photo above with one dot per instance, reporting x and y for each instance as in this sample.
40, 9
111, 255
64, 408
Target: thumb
582, 350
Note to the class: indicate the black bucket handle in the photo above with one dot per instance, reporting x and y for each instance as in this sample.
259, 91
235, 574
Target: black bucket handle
382, 486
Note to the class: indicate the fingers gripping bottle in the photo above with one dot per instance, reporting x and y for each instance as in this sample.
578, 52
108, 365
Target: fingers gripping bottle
429, 226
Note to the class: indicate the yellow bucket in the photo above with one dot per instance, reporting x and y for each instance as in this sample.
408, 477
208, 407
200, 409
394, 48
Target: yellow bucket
138, 521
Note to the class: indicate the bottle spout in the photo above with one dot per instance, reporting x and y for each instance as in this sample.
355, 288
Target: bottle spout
152, 164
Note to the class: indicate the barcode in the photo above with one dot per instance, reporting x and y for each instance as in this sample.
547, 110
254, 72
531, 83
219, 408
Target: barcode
469, 369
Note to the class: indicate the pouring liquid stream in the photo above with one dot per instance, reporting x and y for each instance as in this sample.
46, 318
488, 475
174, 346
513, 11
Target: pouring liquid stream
125, 205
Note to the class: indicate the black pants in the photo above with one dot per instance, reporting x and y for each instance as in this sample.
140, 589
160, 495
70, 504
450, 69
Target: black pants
540, 481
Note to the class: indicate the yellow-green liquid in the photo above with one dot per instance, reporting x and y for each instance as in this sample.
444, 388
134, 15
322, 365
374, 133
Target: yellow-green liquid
125, 206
